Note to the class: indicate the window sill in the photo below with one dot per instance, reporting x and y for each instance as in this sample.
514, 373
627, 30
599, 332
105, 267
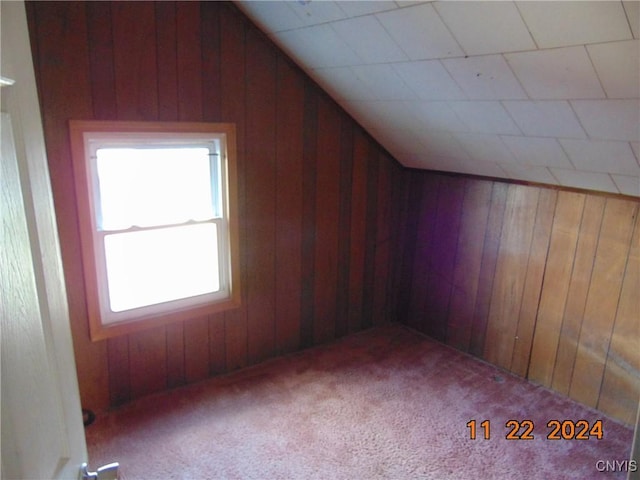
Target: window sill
100, 331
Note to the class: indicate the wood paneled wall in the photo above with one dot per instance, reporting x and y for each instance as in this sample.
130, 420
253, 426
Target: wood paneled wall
541, 282
317, 196
335, 236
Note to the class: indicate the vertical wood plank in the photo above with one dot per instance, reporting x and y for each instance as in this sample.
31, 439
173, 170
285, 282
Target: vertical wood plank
148, 362
289, 147
577, 292
560, 261
443, 246
211, 65
381, 276
134, 40
260, 208
409, 224
533, 282
101, 60
327, 211
175, 355
358, 230
189, 61
232, 84
217, 347
307, 268
196, 349
508, 285
167, 68
344, 225
397, 241
621, 383
370, 236
423, 259
488, 268
119, 384
602, 299
466, 272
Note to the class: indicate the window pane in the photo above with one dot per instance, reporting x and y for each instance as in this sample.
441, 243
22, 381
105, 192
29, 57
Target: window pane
154, 186
156, 266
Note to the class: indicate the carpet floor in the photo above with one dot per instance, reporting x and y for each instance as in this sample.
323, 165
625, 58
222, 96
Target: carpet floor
384, 403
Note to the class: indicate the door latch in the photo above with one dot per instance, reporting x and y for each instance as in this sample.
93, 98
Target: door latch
106, 472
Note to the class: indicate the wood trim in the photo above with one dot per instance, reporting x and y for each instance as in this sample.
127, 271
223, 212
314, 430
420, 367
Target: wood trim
99, 331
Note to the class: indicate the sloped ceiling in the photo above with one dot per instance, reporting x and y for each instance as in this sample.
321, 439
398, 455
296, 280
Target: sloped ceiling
545, 92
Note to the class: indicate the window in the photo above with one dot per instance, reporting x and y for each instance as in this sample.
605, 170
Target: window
156, 204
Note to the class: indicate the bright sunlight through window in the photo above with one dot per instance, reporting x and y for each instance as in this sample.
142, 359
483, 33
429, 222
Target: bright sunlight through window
153, 203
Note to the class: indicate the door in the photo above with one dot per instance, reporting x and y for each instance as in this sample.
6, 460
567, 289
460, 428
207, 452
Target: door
42, 430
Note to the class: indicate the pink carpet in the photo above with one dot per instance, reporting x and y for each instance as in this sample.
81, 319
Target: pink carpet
385, 403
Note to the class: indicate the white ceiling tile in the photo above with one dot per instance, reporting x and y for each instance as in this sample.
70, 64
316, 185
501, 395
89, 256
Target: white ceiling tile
419, 31
627, 185
486, 27
356, 8
588, 180
394, 139
384, 82
441, 144
400, 73
529, 173
486, 77
537, 151
618, 66
342, 83
601, 156
369, 40
556, 74
486, 148
273, 16
485, 117
429, 80
559, 24
442, 164
380, 115
545, 118
362, 112
316, 47
314, 13
633, 14
435, 116
609, 119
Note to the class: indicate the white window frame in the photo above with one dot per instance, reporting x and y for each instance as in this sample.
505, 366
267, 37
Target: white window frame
89, 136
